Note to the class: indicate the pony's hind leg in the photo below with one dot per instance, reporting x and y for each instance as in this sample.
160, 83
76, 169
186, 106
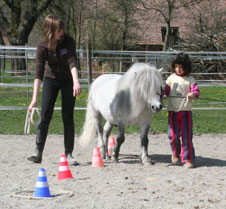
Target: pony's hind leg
144, 144
99, 130
120, 139
107, 132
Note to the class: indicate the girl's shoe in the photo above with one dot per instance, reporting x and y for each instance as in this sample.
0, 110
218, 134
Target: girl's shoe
175, 159
188, 165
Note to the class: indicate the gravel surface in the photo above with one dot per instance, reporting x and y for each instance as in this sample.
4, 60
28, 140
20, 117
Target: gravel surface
123, 185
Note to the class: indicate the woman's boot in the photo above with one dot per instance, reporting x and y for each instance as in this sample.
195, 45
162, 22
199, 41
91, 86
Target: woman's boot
36, 156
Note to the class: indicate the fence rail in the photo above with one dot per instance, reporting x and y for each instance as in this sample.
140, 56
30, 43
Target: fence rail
102, 62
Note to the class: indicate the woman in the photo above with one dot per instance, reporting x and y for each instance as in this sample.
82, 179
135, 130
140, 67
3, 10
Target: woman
56, 67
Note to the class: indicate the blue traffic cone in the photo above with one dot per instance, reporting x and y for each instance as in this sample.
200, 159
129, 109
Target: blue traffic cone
42, 187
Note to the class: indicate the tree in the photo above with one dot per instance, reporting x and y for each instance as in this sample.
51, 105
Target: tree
17, 19
167, 9
74, 16
208, 32
124, 13
115, 25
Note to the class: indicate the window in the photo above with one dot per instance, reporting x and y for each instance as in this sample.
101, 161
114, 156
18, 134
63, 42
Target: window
174, 34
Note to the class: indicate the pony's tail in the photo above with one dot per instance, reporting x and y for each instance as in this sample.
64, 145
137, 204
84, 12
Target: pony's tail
89, 127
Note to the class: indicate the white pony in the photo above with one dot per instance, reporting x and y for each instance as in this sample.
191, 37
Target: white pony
131, 98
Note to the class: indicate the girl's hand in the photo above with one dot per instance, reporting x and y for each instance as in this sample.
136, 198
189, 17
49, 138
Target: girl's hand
164, 96
191, 96
77, 89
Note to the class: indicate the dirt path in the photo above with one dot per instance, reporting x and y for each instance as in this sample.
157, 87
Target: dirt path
125, 185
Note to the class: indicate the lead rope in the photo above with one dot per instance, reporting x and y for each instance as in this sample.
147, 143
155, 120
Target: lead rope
184, 102
29, 120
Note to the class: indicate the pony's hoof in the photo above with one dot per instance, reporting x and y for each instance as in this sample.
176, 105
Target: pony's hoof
114, 159
103, 155
108, 157
147, 162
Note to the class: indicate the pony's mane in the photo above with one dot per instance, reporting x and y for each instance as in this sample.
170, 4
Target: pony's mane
143, 80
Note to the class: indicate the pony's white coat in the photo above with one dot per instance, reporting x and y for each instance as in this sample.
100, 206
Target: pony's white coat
121, 100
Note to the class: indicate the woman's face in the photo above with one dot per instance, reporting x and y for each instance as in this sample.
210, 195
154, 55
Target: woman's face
179, 70
59, 34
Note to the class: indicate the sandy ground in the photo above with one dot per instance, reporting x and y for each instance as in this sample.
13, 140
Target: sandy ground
123, 185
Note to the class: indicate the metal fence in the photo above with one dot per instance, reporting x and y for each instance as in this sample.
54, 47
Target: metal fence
93, 63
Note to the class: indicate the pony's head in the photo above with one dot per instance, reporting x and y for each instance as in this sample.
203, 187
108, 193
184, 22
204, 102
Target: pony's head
154, 93
145, 83
156, 102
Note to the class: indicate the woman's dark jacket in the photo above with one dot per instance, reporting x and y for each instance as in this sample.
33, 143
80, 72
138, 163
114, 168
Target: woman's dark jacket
55, 63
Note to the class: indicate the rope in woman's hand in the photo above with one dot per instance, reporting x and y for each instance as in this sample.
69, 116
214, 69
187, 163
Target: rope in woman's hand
30, 120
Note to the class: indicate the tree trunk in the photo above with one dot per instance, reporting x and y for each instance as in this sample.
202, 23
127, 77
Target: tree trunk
167, 37
19, 27
18, 63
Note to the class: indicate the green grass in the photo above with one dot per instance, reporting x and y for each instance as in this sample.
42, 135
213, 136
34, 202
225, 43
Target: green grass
204, 121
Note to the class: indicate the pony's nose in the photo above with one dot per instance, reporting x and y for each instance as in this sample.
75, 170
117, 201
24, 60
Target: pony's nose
155, 108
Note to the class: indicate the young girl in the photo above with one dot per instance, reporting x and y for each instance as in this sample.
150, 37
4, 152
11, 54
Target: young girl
180, 89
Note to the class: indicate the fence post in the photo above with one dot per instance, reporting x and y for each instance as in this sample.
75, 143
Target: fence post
1, 63
4, 66
26, 68
89, 62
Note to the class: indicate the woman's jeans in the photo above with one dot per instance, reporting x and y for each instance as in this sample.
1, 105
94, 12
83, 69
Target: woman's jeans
51, 88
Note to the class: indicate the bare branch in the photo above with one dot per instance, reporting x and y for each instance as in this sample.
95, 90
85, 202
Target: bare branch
3, 18
9, 3
43, 5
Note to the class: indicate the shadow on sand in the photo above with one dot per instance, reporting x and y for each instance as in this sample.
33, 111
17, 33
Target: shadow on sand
161, 158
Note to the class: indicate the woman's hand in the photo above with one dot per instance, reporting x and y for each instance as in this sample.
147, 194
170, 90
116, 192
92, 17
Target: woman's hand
37, 83
32, 104
76, 85
77, 89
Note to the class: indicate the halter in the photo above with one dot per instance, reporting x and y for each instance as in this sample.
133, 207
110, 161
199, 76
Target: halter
30, 120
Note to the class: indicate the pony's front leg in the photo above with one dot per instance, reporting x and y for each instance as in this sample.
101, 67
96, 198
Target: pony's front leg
144, 144
107, 132
120, 139
99, 130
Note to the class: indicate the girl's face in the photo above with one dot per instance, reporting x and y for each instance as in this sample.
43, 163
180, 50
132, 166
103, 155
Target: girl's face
59, 34
179, 70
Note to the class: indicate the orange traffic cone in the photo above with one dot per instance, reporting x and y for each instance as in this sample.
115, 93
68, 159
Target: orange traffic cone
64, 170
97, 160
111, 144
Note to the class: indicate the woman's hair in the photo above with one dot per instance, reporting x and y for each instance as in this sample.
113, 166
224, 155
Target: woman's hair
182, 59
52, 24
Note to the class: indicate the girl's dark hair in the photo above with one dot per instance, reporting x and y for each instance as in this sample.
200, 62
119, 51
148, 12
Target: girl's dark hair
182, 59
